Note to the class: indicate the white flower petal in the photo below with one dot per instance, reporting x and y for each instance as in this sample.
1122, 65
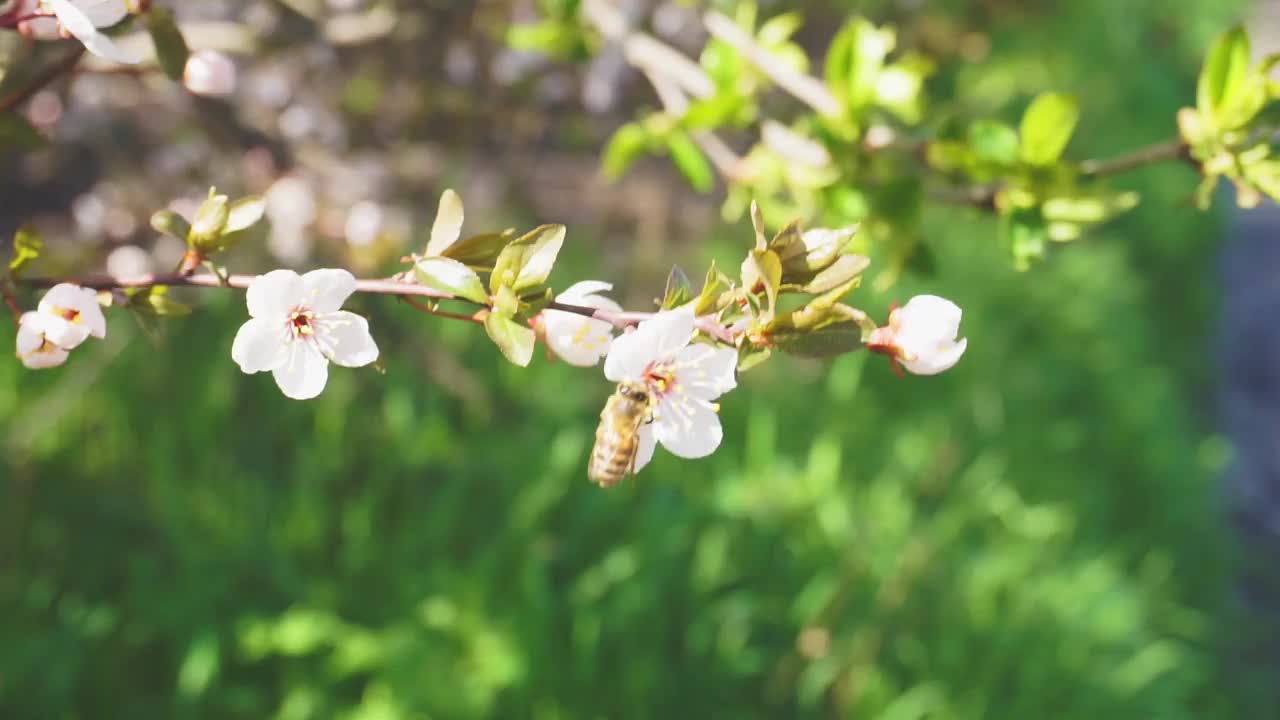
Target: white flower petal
657, 338
932, 363
578, 340
644, 451
81, 26
586, 292
688, 428
325, 290
79, 311
672, 330
261, 344
706, 371
344, 337
629, 354
275, 294
103, 13
304, 374
33, 348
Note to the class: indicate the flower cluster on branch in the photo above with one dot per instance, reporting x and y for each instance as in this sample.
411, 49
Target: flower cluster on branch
671, 364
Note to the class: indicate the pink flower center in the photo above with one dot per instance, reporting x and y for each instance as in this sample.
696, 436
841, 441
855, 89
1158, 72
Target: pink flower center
660, 377
300, 323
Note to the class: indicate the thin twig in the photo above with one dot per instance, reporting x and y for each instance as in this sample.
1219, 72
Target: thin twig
406, 291
1174, 149
438, 312
11, 302
41, 79
805, 88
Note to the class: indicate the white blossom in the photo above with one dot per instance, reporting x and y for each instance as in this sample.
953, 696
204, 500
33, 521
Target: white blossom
577, 339
35, 349
82, 18
921, 335
70, 314
209, 72
297, 327
683, 380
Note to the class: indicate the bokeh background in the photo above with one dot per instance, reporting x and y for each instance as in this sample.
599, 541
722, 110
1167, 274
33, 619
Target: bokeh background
1041, 532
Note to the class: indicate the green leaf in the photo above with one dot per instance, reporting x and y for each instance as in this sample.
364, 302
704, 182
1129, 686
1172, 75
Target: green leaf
678, 289
1265, 175
1089, 208
628, 143
821, 331
479, 251
1223, 74
843, 272
689, 159
244, 214
516, 341
26, 247
450, 276
855, 59
763, 268
709, 298
171, 47
171, 223
757, 223
17, 133
155, 301
527, 261
448, 224
1047, 126
993, 142
209, 222
1027, 235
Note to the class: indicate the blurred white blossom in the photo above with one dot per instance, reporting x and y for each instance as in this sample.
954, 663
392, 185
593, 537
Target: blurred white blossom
577, 339
210, 73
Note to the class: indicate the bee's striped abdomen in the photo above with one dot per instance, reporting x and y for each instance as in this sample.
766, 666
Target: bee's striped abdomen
617, 440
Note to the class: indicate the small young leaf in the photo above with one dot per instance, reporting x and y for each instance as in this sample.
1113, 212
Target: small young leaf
479, 251
993, 142
155, 301
628, 143
1047, 126
763, 268
210, 220
516, 341
1026, 233
1225, 68
709, 298
824, 331
678, 289
172, 224
448, 223
527, 261
448, 275
26, 247
171, 47
843, 271
757, 222
689, 159
244, 213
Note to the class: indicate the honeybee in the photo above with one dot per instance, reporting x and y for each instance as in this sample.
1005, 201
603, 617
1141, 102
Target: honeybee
618, 437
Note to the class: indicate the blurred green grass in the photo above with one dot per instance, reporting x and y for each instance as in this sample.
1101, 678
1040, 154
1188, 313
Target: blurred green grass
1035, 533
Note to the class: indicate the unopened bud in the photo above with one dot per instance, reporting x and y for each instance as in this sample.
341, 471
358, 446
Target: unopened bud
210, 220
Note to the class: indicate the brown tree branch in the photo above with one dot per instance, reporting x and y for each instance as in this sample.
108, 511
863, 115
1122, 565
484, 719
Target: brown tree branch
41, 79
409, 292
